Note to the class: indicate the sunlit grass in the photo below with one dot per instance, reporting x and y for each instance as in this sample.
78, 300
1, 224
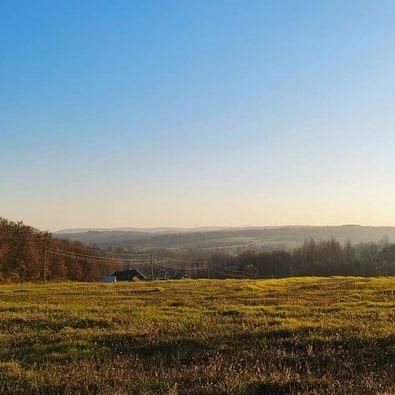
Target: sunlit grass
323, 335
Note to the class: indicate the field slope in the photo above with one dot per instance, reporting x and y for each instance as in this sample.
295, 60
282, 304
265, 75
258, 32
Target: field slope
298, 335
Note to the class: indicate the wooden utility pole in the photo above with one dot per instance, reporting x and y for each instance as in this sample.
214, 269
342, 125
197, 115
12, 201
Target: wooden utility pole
45, 261
151, 258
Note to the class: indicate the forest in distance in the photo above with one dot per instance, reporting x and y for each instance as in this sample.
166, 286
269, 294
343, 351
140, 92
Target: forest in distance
23, 249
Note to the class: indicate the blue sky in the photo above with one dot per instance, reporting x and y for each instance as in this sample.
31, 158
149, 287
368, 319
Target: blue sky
185, 113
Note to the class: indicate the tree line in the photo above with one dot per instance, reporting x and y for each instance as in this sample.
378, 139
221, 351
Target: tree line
22, 256
322, 258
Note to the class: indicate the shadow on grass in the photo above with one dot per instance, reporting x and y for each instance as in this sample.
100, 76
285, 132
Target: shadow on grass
281, 348
292, 387
19, 323
37, 351
183, 350
322, 348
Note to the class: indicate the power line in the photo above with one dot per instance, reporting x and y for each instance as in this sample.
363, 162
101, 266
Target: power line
23, 238
232, 272
81, 255
137, 258
91, 259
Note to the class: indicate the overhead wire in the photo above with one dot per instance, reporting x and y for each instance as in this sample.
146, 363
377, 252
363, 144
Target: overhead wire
137, 258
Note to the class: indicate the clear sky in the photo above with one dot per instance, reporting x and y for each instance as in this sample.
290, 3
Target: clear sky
207, 112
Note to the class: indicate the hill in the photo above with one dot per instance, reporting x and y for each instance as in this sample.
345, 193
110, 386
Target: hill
229, 238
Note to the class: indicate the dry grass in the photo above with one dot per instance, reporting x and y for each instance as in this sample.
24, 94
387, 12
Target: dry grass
298, 335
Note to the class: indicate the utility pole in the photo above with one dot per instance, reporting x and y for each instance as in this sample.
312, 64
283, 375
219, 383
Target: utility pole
208, 270
45, 261
151, 258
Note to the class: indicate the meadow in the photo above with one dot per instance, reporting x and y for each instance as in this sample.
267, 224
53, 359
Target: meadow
295, 335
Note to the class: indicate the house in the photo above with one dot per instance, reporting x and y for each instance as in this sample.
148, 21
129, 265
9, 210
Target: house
129, 275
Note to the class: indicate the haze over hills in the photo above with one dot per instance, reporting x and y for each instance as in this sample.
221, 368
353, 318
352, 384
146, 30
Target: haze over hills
225, 237
146, 230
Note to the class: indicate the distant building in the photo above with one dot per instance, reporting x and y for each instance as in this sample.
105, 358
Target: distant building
129, 275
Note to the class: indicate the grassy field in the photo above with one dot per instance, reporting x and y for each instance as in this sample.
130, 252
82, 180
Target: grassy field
298, 335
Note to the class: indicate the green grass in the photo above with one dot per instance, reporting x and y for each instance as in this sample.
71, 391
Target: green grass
297, 335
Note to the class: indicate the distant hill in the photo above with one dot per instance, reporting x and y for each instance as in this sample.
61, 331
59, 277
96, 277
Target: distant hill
146, 230
221, 237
